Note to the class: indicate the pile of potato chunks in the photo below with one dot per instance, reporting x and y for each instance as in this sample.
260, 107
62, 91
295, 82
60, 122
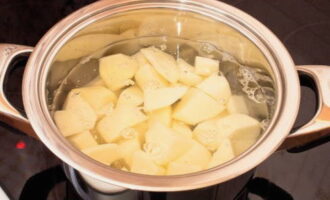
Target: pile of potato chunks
151, 114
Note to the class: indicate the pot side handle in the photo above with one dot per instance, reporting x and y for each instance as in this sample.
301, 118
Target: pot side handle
319, 126
8, 113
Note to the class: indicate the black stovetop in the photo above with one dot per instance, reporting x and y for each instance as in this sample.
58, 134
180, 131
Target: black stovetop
302, 25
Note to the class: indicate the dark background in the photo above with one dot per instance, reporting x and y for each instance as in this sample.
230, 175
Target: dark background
302, 25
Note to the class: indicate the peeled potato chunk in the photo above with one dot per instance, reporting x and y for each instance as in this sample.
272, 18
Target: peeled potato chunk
242, 130
163, 63
208, 134
129, 133
117, 71
239, 126
127, 149
77, 117
104, 153
196, 106
217, 87
236, 104
197, 155
96, 96
122, 117
143, 164
147, 77
96, 82
182, 129
175, 168
163, 115
224, 153
187, 73
163, 145
241, 145
141, 128
105, 110
162, 97
206, 66
71, 123
83, 140
141, 59
130, 96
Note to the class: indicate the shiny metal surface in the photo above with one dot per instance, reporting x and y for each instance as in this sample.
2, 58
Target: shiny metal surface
3, 195
9, 113
216, 16
319, 126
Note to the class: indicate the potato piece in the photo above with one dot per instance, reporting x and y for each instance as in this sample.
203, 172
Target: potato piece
196, 106
236, 104
96, 82
77, 117
141, 128
206, 66
162, 97
175, 168
128, 148
147, 77
197, 155
129, 133
163, 63
117, 71
80, 106
105, 110
222, 114
85, 45
163, 145
163, 115
143, 164
96, 96
242, 130
122, 117
187, 73
242, 145
70, 123
217, 87
141, 59
133, 133
239, 127
104, 153
182, 129
223, 154
131, 96
82, 140
208, 134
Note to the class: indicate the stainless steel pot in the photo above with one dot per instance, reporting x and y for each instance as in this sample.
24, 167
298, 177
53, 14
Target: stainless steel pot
90, 29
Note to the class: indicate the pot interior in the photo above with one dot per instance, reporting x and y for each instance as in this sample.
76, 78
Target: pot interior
184, 32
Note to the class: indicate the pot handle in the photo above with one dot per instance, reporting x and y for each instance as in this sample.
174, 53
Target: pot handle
319, 126
8, 113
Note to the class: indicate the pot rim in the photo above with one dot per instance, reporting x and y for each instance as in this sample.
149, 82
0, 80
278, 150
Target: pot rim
34, 97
